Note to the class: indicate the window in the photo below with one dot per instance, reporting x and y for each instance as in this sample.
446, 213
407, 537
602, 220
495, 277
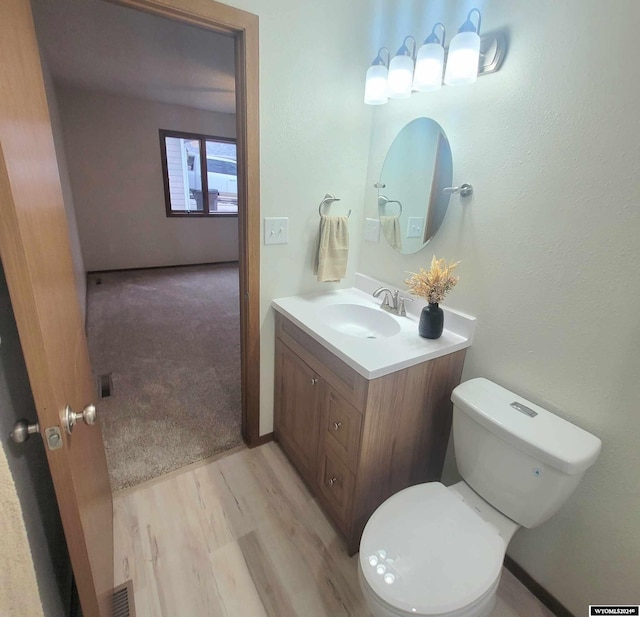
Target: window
189, 189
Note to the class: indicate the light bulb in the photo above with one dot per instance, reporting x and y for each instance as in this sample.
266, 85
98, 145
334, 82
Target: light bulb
429, 67
464, 54
375, 87
400, 77
430, 63
462, 63
376, 81
401, 72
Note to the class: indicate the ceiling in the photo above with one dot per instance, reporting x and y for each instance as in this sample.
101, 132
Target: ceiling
99, 46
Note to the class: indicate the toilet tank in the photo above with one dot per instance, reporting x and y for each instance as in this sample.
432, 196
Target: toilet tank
524, 460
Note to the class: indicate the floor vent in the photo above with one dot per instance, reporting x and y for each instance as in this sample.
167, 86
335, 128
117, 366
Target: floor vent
123, 601
105, 385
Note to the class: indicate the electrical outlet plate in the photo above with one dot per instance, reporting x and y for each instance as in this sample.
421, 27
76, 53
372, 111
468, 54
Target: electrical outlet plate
276, 230
372, 230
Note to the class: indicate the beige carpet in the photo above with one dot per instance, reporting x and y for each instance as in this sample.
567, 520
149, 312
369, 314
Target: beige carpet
171, 340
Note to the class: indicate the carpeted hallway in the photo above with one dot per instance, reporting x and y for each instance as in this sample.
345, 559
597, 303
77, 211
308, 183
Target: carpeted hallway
170, 338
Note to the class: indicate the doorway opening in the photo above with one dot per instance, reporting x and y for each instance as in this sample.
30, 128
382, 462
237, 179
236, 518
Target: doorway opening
107, 98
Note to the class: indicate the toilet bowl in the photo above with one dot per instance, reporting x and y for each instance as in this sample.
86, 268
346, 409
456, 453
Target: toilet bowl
428, 551
437, 551
482, 606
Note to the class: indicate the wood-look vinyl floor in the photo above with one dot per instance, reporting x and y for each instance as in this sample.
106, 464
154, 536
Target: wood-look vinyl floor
243, 537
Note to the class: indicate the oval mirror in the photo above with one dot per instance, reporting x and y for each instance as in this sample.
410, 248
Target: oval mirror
411, 200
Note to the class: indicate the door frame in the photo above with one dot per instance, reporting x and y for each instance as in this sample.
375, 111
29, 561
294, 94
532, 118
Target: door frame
243, 26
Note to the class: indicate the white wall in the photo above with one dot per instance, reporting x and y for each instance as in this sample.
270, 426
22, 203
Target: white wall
550, 252
113, 151
79, 272
314, 132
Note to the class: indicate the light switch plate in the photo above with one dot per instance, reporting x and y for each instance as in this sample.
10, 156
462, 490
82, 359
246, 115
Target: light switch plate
415, 227
372, 230
276, 230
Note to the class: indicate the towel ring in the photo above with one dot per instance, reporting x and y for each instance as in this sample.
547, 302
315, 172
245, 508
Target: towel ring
383, 201
395, 202
329, 199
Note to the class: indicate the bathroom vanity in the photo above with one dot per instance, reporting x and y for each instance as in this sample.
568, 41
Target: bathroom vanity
362, 410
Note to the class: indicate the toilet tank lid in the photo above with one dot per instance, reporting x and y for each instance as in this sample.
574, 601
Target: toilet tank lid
545, 436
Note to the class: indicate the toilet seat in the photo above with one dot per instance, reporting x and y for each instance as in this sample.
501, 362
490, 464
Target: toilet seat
424, 552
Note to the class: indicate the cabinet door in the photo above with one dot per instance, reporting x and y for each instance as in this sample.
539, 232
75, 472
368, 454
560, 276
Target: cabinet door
297, 410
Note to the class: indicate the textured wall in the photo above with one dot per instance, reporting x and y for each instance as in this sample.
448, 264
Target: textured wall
549, 249
314, 133
18, 588
113, 152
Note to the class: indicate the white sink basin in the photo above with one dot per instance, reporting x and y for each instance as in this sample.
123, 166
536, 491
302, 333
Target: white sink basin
351, 324
360, 321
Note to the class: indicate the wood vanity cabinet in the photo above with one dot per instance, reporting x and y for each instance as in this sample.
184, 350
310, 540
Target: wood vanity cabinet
356, 441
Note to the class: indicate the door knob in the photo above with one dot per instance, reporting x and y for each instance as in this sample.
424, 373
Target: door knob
22, 430
88, 416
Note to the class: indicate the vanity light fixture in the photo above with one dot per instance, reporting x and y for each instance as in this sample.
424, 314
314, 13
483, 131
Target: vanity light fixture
375, 87
467, 57
401, 71
430, 63
464, 53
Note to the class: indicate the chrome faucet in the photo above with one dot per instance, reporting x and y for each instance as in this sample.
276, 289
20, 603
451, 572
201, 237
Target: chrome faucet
392, 302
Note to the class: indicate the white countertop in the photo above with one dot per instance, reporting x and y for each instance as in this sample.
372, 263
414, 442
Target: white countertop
374, 358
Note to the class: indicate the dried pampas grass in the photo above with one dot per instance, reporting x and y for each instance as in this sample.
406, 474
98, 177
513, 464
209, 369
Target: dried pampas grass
435, 283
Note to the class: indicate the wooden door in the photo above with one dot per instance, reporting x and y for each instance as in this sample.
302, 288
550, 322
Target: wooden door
35, 251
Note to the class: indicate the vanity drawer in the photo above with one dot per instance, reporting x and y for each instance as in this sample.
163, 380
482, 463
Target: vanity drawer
336, 486
342, 423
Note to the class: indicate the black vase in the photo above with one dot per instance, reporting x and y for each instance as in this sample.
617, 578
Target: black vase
431, 321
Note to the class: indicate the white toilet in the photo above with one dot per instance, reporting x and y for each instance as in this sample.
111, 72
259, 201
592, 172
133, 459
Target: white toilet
438, 551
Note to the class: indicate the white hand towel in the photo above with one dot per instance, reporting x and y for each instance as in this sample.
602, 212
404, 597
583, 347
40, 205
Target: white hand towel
391, 230
333, 248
